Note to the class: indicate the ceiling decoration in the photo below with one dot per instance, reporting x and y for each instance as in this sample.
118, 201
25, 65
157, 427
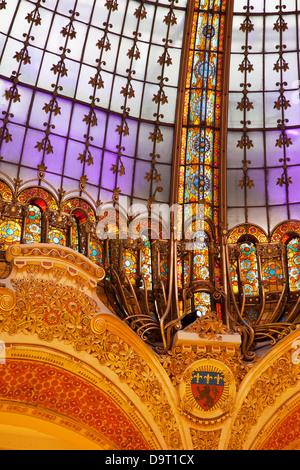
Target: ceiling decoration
69, 400
263, 127
200, 149
79, 99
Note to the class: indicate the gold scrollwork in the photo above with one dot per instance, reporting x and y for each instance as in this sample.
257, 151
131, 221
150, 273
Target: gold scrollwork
98, 325
7, 299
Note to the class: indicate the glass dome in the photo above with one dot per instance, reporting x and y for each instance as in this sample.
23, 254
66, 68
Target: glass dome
88, 94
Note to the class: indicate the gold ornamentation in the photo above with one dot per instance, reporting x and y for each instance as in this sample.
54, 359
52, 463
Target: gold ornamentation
265, 392
207, 391
57, 311
179, 358
296, 353
209, 326
7, 299
205, 440
98, 325
50, 253
14, 250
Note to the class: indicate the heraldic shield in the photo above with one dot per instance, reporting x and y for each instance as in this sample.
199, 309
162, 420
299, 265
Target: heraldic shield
207, 388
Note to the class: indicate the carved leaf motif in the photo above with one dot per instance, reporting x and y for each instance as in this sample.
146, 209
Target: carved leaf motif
128, 91
96, 82
45, 145
52, 106
104, 43
60, 68
5, 135
113, 4
37, 20
156, 135
165, 58
91, 118
141, 12
69, 31
170, 18
134, 52
23, 56
13, 94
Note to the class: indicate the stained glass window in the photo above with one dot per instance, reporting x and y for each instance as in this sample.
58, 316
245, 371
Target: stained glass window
5, 191
130, 265
272, 275
75, 235
199, 164
57, 237
234, 276
147, 264
164, 266
33, 225
249, 269
202, 301
10, 233
201, 262
96, 252
293, 255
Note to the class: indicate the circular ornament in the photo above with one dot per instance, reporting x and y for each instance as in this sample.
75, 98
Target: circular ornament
207, 391
7, 299
98, 325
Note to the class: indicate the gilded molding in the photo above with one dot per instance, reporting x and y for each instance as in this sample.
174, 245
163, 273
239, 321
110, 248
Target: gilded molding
20, 255
266, 391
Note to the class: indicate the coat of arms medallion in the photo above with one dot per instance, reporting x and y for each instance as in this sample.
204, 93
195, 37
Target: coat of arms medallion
207, 390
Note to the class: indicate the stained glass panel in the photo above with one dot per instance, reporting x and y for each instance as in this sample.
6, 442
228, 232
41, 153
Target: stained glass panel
10, 233
249, 269
33, 225
130, 265
198, 174
96, 252
234, 276
75, 234
272, 275
57, 237
31, 193
5, 191
201, 262
293, 255
202, 303
147, 264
